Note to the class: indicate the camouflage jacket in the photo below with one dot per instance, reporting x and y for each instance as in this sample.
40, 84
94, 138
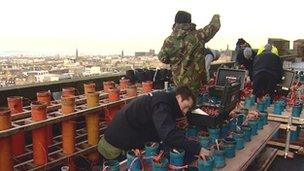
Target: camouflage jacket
184, 51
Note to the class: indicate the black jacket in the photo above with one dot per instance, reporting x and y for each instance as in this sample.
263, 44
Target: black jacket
240, 58
150, 118
268, 62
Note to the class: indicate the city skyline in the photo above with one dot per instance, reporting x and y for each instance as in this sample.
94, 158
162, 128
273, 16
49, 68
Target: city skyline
96, 27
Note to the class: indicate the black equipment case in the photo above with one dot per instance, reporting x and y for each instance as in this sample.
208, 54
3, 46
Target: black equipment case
229, 93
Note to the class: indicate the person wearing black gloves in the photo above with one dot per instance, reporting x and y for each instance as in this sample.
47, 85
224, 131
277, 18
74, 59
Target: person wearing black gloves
267, 72
151, 118
245, 56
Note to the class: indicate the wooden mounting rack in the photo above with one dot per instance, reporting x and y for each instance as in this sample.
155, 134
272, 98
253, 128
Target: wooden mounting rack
23, 122
55, 105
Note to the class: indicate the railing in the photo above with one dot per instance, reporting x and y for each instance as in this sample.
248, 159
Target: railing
29, 91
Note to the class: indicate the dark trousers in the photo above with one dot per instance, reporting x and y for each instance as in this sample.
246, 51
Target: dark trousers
264, 83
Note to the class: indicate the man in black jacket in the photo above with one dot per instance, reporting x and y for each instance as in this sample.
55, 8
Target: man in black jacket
244, 57
267, 72
151, 118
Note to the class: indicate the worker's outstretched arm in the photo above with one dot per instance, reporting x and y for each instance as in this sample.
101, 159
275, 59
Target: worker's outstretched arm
171, 135
211, 29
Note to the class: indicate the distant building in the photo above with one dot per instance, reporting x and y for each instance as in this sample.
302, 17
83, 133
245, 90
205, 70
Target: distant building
77, 70
22, 81
39, 75
28, 73
298, 47
140, 54
12, 71
95, 70
56, 77
150, 53
67, 62
281, 44
59, 71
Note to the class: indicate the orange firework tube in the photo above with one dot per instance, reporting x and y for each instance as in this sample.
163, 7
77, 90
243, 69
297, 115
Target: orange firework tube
89, 87
132, 91
68, 127
107, 85
38, 112
114, 95
92, 119
15, 104
6, 161
147, 86
69, 91
68, 104
110, 113
123, 83
45, 96
92, 123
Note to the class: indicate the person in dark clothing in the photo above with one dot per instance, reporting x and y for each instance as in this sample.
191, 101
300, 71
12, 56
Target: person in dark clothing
243, 58
241, 44
249, 55
151, 118
267, 72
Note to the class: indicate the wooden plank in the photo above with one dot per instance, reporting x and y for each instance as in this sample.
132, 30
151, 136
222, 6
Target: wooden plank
282, 153
300, 149
245, 156
268, 162
265, 159
284, 117
285, 126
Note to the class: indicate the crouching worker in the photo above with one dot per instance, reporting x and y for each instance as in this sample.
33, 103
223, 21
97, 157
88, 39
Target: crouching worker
267, 72
151, 118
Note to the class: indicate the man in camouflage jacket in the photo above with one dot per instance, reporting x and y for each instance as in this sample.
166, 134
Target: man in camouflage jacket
184, 50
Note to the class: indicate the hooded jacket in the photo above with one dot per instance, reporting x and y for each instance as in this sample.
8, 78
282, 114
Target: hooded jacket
184, 51
270, 63
150, 118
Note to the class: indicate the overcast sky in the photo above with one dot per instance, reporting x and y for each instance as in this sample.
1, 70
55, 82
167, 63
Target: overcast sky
109, 26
